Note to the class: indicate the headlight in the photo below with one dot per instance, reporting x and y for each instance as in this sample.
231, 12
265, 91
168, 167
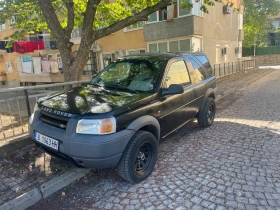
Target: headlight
104, 126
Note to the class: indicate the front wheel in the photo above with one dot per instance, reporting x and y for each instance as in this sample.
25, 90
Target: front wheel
139, 158
206, 116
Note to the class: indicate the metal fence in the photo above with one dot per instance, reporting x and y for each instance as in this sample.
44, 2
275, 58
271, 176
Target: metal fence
16, 106
225, 69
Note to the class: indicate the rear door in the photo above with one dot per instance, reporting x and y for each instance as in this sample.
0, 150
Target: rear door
176, 109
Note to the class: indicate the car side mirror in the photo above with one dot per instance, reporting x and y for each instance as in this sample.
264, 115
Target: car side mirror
173, 90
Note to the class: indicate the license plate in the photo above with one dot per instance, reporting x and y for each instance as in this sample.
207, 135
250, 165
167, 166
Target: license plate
50, 142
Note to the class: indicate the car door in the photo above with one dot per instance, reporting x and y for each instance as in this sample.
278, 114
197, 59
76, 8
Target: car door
198, 77
176, 109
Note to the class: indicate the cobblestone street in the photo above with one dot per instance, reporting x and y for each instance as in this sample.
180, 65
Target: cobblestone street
235, 164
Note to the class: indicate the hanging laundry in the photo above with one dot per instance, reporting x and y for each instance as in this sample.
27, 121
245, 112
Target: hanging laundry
46, 65
37, 65
53, 45
24, 47
3, 45
9, 67
54, 65
60, 66
32, 46
20, 47
26, 62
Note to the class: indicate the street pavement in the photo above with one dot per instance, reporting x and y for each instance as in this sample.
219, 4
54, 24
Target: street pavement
234, 164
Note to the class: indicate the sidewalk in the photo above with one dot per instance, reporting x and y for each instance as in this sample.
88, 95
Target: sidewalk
29, 168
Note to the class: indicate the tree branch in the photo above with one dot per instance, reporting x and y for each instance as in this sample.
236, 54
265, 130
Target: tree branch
89, 18
140, 16
52, 20
70, 15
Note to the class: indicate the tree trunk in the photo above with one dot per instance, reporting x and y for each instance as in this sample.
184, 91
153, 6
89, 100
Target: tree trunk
73, 66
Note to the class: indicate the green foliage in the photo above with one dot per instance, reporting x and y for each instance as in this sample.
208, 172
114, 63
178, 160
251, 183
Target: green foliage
258, 15
29, 18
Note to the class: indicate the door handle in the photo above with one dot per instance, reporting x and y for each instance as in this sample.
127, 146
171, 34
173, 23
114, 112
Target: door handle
194, 91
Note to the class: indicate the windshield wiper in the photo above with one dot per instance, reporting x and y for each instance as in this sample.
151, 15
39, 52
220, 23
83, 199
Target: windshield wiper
96, 84
119, 87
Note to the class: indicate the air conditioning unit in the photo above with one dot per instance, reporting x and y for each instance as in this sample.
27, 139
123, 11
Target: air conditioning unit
119, 53
226, 9
96, 48
236, 50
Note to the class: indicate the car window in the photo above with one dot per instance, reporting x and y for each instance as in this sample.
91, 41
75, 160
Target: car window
198, 71
135, 75
178, 74
205, 63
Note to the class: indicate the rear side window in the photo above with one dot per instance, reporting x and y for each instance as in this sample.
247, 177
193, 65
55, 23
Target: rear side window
178, 74
198, 71
205, 63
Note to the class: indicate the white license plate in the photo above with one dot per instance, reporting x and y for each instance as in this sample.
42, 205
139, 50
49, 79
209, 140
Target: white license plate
50, 142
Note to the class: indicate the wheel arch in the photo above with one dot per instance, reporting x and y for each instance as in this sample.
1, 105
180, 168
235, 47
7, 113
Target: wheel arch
147, 123
209, 93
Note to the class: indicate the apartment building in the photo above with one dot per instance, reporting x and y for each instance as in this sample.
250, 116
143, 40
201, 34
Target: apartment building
172, 29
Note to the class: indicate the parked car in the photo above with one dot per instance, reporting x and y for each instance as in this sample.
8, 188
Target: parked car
120, 116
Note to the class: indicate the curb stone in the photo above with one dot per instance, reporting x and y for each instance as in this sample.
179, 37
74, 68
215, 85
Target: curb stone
33, 196
57, 183
23, 201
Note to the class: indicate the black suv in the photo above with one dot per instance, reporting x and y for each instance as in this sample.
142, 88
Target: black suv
119, 117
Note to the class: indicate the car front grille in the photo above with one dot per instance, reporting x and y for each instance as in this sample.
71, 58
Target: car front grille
54, 121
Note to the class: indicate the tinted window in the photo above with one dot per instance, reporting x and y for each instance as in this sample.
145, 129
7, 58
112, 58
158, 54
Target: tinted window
205, 63
136, 75
178, 74
198, 71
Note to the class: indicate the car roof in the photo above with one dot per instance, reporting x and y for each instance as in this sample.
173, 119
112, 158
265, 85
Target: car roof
158, 56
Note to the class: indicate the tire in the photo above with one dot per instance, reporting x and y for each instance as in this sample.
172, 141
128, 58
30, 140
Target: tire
135, 155
205, 118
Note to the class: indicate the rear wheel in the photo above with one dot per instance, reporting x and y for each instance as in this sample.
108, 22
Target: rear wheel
207, 115
139, 157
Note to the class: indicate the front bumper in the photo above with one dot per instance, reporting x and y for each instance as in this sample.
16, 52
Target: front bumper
89, 151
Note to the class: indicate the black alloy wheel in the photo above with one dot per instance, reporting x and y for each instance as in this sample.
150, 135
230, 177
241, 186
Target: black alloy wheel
139, 158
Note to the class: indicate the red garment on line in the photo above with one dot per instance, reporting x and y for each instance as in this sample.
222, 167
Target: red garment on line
32, 46
24, 47
20, 47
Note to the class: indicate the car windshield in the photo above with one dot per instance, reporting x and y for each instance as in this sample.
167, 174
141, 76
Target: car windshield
131, 75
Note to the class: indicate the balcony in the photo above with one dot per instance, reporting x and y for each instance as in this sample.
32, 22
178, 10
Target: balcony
44, 77
177, 27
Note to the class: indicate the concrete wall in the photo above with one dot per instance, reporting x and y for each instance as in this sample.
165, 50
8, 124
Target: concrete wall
122, 40
220, 31
8, 32
183, 26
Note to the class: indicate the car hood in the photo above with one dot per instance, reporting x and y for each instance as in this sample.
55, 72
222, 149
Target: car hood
90, 99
